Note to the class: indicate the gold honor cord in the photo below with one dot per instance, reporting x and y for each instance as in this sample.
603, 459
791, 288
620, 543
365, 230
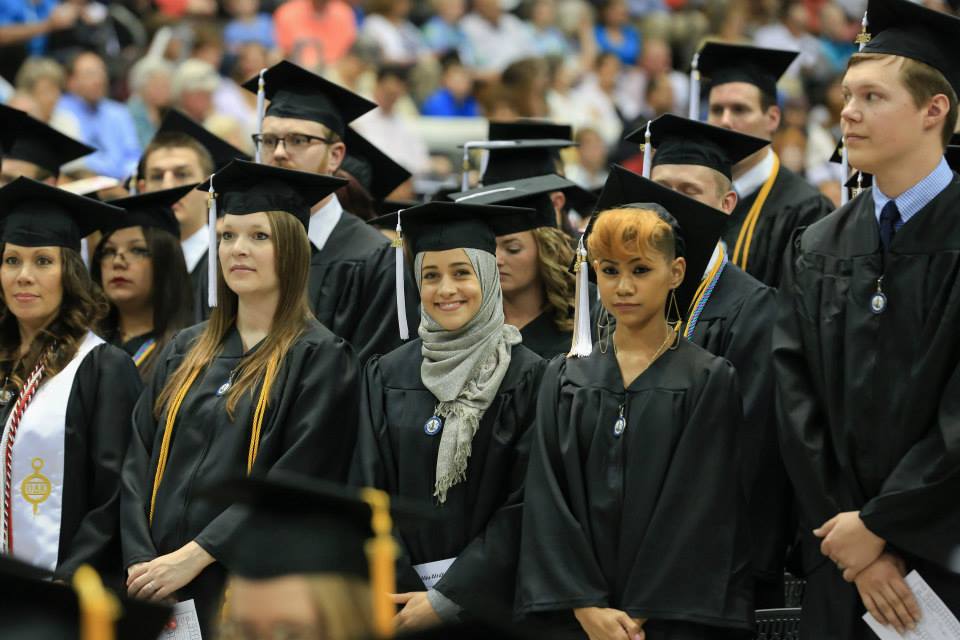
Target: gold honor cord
381, 556
99, 608
702, 289
741, 252
256, 427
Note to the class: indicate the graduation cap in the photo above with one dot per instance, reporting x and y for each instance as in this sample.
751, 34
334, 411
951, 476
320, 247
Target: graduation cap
34, 608
154, 209
529, 192
696, 226
297, 93
220, 150
40, 144
527, 129
376, 172
535, 151
682, 141
722, 63
35, 214
318, 527
904, 28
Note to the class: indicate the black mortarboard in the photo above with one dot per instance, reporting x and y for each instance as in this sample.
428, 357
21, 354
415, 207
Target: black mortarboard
536, 152
40, 144
855, 181
697, 227
376, 172
721, 63
439, 226
220, 150
35, 214
297, 93
526, 129
953, 157
8, 124
837, 156
244, 187
154, 209
36, 609
907, 29
529, 192
682, 141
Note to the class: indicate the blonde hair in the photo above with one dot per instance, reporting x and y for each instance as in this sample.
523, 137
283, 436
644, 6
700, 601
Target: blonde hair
627, 232
343, 605
554, 257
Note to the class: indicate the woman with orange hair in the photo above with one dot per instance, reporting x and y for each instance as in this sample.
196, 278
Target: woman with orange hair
633, 527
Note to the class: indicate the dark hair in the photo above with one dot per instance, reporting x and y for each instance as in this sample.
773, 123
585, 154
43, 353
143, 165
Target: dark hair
176, 140
82, 306
171, 289
399, 71
354, 196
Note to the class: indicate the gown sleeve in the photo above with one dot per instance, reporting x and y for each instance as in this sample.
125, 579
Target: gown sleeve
106, 388
316, 435
136, 480
486, 569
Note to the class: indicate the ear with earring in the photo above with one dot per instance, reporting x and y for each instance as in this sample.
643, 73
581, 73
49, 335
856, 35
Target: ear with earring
674, 317
603, 328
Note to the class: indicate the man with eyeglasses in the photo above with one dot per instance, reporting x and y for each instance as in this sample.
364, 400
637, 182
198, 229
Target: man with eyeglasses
182, 152
351, 287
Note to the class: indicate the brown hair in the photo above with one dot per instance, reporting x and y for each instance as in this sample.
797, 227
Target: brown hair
628, 232
174, 140
923, 82
554, 257
292, 250
83, 305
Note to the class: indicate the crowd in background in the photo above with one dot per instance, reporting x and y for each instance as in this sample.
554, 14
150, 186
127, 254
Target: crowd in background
105, 73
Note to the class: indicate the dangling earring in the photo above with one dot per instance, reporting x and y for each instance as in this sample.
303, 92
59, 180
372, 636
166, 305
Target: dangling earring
603, 328
673, 311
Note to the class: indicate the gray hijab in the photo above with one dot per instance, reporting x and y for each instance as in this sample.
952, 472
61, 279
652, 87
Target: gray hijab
463, 369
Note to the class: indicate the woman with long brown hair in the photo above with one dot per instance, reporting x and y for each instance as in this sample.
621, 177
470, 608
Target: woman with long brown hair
261, 386
66, 397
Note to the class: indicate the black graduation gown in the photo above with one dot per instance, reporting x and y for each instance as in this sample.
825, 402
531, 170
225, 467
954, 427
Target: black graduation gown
652, 522
737, 324
867, 403
542, 336
792, 203
352, 288
131, 346
105, 390
479, 523
198, 279
309, 428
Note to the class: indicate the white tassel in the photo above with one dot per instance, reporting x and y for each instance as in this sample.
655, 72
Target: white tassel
261, 100
845, 170
84, 252
133, 182
401, 294
647, 152
212, 262
582, 345
694, 110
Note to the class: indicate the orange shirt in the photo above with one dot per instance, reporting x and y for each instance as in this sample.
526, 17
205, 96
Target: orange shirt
309, 37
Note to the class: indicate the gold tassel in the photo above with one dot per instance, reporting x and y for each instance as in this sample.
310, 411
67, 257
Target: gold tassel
99, 608
381, 556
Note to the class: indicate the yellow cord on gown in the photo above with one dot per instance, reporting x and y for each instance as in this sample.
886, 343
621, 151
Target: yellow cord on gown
701, 290
741, 251
381, 556
99, 608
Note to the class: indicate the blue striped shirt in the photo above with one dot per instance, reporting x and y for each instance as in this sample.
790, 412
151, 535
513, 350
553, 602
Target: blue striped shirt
916, 197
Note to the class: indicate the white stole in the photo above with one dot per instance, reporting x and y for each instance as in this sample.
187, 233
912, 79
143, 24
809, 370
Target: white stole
38, 461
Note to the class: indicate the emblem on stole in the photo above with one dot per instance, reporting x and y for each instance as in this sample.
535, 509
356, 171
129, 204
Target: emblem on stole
36, 487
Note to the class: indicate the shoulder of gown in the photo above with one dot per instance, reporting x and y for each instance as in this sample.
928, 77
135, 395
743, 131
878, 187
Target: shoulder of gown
352, 239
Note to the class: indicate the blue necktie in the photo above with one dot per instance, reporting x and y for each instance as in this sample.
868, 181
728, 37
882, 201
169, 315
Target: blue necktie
889, 219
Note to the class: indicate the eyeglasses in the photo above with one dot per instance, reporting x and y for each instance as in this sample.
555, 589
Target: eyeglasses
292, 142
136, 254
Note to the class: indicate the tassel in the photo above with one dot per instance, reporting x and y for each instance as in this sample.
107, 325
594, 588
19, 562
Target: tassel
647, 152
381, 556
261, 99
84, 252
465, 169
401, 293
133, 182
99, 608
863, 37
582, 345
845, 170
694, 110
212, 261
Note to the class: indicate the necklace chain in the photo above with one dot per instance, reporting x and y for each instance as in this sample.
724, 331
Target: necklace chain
656, 354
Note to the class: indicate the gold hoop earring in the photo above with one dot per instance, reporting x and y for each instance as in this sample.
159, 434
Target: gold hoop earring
603, 329
674, 311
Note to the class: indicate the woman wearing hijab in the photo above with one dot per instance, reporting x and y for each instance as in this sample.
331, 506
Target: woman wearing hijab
634, 522
446, 416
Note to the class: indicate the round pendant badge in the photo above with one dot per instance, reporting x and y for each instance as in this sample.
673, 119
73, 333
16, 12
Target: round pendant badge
878, 303
5, 397
223, 389
433, 426
619, 426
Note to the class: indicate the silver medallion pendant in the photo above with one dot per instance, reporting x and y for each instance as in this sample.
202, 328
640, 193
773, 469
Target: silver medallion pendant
878, 303
5, 397
223, 388
433, 426
619, 426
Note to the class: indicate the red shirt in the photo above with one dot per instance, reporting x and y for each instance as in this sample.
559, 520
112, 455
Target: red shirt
310, 37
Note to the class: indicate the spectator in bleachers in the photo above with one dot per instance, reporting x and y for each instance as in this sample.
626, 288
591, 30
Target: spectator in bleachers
594, 100
526, 82
560, 102
181, 8
42, 80
150, 81
442, 32
836, 38
194, 84
387, 24
792, 34
656, 59
455, 95
496, 38
590, 170
314, 32
548, 39
247, 24
231, 100
104, 124
24, 27
614, 32
357, 69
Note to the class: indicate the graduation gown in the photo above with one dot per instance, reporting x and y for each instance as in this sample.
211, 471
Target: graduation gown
867, 402
96, 432
352, 288
651, 522
542, 336
309, 428
737, 324
198, 279
792, 203
479, 524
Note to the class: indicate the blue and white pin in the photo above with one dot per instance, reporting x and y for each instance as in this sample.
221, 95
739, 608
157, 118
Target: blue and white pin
433, 426
620, 425
878, 302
